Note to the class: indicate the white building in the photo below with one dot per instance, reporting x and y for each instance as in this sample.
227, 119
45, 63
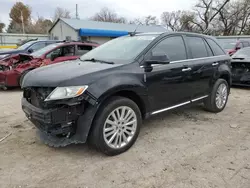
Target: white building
101, 32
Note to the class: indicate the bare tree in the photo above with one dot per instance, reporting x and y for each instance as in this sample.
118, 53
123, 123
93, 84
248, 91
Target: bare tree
147, 20
61, 13
206, 12
107, 15
2, 25
178, 20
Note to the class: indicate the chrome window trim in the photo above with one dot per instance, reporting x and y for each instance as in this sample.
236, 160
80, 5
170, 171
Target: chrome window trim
194, 59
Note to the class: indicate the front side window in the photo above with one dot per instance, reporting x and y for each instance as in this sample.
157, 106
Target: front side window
55, 53
197, 47
69, 50
215, 47
173, 47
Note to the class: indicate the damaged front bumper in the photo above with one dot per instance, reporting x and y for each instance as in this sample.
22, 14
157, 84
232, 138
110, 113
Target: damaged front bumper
61, 126
241, 79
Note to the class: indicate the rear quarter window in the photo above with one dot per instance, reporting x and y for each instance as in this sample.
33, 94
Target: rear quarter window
217, 50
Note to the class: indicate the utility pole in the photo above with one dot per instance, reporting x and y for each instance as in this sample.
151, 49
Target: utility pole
22, 21
77, 15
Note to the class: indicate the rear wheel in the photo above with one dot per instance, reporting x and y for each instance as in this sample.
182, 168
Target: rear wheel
218, 98
116, 126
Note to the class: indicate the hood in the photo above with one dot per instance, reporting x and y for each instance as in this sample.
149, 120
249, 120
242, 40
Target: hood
17, 58
67, 73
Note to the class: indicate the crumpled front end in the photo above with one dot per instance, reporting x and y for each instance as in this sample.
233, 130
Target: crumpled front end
241, 73
57, 121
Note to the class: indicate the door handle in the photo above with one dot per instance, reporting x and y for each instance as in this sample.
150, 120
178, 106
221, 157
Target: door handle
215, 64
186, 69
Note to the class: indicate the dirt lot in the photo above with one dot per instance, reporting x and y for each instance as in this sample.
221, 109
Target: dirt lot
187, 148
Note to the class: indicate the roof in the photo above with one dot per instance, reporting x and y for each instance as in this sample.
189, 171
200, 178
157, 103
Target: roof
77, 24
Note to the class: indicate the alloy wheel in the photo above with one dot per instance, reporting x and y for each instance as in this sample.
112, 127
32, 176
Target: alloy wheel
120, 127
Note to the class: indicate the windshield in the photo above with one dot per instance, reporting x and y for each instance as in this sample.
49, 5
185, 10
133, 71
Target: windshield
243, 53
42, 51
121, 49
26, 45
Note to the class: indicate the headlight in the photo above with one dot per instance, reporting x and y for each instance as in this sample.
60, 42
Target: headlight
66, 92
3, 56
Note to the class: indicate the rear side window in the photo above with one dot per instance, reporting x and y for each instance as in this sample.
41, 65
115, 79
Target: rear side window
173, 47
197, 47
83, 49
215, 47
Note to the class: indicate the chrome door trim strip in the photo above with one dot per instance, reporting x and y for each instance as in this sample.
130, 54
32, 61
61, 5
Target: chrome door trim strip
178, 105
197, 99
170, 108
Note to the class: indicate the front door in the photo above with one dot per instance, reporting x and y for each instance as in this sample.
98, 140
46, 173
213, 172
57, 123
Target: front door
167, 84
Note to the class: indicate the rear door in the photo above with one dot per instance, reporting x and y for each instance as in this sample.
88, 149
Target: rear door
202, 65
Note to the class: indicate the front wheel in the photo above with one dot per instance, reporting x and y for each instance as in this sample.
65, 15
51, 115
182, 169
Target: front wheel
218, 98
116, 126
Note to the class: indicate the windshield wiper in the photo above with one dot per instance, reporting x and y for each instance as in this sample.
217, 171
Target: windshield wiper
97, 60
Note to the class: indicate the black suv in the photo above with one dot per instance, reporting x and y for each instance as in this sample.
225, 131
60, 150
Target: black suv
103, 96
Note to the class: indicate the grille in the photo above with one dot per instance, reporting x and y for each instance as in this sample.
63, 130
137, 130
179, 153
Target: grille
36, 96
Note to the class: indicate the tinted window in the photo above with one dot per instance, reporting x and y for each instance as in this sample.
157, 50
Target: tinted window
83, 49
69, 50
215, 47
38, 46
197, 47
173, 47
209, 50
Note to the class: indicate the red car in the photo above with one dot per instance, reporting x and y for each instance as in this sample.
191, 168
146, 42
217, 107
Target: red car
12, 69
232, 46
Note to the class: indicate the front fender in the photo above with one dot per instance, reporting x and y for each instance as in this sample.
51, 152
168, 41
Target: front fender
115, 83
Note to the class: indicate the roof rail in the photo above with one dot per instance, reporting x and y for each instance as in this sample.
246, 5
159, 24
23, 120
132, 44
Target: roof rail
85, 41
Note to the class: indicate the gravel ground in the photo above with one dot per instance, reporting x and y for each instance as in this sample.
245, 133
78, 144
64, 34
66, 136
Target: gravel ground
182, 149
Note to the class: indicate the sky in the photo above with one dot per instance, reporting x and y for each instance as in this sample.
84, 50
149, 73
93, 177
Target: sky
87, 8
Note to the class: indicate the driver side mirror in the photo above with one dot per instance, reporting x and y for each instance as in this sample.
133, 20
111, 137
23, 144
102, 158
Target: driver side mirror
157, 58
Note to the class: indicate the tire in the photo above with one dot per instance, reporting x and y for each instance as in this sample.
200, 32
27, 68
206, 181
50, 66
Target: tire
210, 103
97, 135
22, 76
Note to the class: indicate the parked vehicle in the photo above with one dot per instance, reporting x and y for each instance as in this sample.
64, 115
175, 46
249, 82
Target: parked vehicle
28, 48
233, 46
103, 96
13, 69
241, 67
